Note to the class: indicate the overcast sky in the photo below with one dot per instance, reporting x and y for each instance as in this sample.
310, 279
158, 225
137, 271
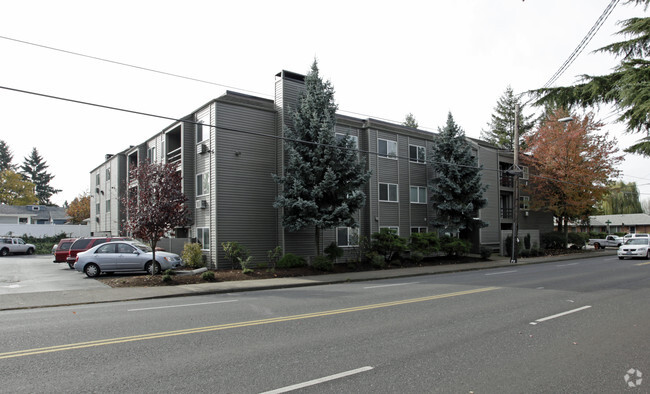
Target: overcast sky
384, 58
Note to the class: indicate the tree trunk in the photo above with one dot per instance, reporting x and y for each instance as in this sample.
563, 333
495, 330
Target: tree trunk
317, 236
566, 232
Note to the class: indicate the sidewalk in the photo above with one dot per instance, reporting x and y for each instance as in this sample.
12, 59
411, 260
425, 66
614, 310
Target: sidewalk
79, 297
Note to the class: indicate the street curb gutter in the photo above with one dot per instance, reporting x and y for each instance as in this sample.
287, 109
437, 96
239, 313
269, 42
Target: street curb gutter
18, 301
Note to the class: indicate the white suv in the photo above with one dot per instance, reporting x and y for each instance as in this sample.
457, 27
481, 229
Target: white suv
15, 245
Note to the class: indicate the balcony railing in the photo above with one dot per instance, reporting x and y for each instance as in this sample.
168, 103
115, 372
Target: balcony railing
506, 213
507, 181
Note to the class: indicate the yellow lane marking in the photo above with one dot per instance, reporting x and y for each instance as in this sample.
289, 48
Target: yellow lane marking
643, 263
166, 334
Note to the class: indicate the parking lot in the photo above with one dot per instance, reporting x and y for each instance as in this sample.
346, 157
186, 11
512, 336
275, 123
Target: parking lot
37, 273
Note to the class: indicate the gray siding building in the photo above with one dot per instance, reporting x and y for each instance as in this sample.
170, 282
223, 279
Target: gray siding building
229, 148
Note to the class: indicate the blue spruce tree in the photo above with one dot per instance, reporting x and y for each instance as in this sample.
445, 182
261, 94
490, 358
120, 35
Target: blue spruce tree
324, 175
456, 188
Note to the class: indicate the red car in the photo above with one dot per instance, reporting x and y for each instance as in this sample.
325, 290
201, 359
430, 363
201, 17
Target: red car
83, 244
62, 250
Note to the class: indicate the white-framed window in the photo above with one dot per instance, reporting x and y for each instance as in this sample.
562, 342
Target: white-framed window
202, 184
420, 230
22, 220
108, 206
394, 228
203, 237
418, 194
524, 174
97, 179
340, 136
201, 132
388, 192
417, 154
347, 236
151, 154
524, 203
108, 174
387, 148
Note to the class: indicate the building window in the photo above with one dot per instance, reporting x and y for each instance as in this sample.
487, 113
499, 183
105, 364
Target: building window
151, 154
388, 192
347, 236
395, 229
418, 194
524, 174
201, 132
203, 237
108, 206
524, 203
416, 154
420, 230
355, 139
202, 184
108, 174
97, 179
22, 220
387, 148
97, 209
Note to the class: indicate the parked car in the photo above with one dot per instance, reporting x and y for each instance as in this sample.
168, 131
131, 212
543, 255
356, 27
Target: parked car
15, 245
635, 247
612, 241
62, 249
636, 235
83, 244
123, 256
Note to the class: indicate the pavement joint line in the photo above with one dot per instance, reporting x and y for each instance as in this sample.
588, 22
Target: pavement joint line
196, 330
560, 314
318, 381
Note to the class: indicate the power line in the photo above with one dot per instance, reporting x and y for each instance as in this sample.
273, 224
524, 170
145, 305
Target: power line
276, 137
576, 52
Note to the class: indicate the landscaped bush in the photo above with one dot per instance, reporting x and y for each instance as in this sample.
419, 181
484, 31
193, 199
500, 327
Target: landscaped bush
192, 255
454, 246
527, 241
485, 252
388, 244
290, 260
237, 254
208, 276
44, 244
425, 243
552, 240
333, 251
323, 263
578, 239
274, 256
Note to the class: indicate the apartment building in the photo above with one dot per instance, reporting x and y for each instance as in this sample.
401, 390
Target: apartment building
229, 148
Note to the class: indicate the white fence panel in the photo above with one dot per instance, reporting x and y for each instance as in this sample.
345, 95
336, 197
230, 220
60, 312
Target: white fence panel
45, 230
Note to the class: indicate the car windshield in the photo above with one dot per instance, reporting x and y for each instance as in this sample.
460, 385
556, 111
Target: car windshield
142, 247
637, 241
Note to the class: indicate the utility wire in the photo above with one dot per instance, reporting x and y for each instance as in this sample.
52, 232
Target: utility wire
576, 52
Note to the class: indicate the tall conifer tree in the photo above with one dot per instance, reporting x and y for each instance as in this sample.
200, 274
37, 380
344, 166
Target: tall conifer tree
456, 188
324, 175
6, 157
33, 169
500, 131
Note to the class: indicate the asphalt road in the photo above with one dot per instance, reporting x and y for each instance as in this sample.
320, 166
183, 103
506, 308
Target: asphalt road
37, 273
578, 326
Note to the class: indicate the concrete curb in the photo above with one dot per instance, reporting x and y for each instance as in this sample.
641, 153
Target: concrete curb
81, 297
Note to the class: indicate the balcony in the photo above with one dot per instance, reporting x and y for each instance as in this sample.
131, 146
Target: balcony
506, 213
507, 181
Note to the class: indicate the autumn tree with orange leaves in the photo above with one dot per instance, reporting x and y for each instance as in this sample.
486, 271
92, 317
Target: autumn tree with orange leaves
79, 208
570, 166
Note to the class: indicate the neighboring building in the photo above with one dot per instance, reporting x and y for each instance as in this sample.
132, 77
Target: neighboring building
229, 148
32, 214
623, 223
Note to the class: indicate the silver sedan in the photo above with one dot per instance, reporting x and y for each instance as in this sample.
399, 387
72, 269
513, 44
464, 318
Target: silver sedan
121, 256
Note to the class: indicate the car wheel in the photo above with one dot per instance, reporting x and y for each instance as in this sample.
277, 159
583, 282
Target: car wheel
148, 268
620, 258
30, 251
92, 270
71, 265
647, 254
596, 246
4, 252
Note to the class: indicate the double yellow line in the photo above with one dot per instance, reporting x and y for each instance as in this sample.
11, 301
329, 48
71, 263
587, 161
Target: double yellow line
166, 334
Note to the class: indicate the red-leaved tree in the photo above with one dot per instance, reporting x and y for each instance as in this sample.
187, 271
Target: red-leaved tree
155, 204
571, 164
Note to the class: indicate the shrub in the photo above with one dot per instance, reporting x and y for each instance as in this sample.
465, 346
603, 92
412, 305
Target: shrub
192, 255
388, 244
524, 253
169, 272
416, 257
208, 276
507, 246
552, 240
454, 246
333, 251
323, 263
425, 243
485, 252
578, 239
290, 260
274, 256
167, 278
236, 253
377, 260
527, 241
534, 252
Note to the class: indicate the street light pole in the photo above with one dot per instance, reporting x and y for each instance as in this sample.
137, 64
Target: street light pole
515, 203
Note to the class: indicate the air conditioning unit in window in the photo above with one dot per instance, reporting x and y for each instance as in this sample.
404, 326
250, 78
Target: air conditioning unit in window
201, 149
201, 204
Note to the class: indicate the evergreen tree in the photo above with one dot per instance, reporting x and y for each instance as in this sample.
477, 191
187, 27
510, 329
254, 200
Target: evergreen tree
626, 87
324, 175
410, 121
501, 128
33, 169
6, 157
456, 188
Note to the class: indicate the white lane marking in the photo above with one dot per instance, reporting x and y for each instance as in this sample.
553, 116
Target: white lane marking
566, 265
560, 314
500, 273
179, 306
317, 381
395, 284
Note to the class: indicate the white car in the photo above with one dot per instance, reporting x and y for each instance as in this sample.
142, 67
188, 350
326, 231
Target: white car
15, 245
121, 256
635, 247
